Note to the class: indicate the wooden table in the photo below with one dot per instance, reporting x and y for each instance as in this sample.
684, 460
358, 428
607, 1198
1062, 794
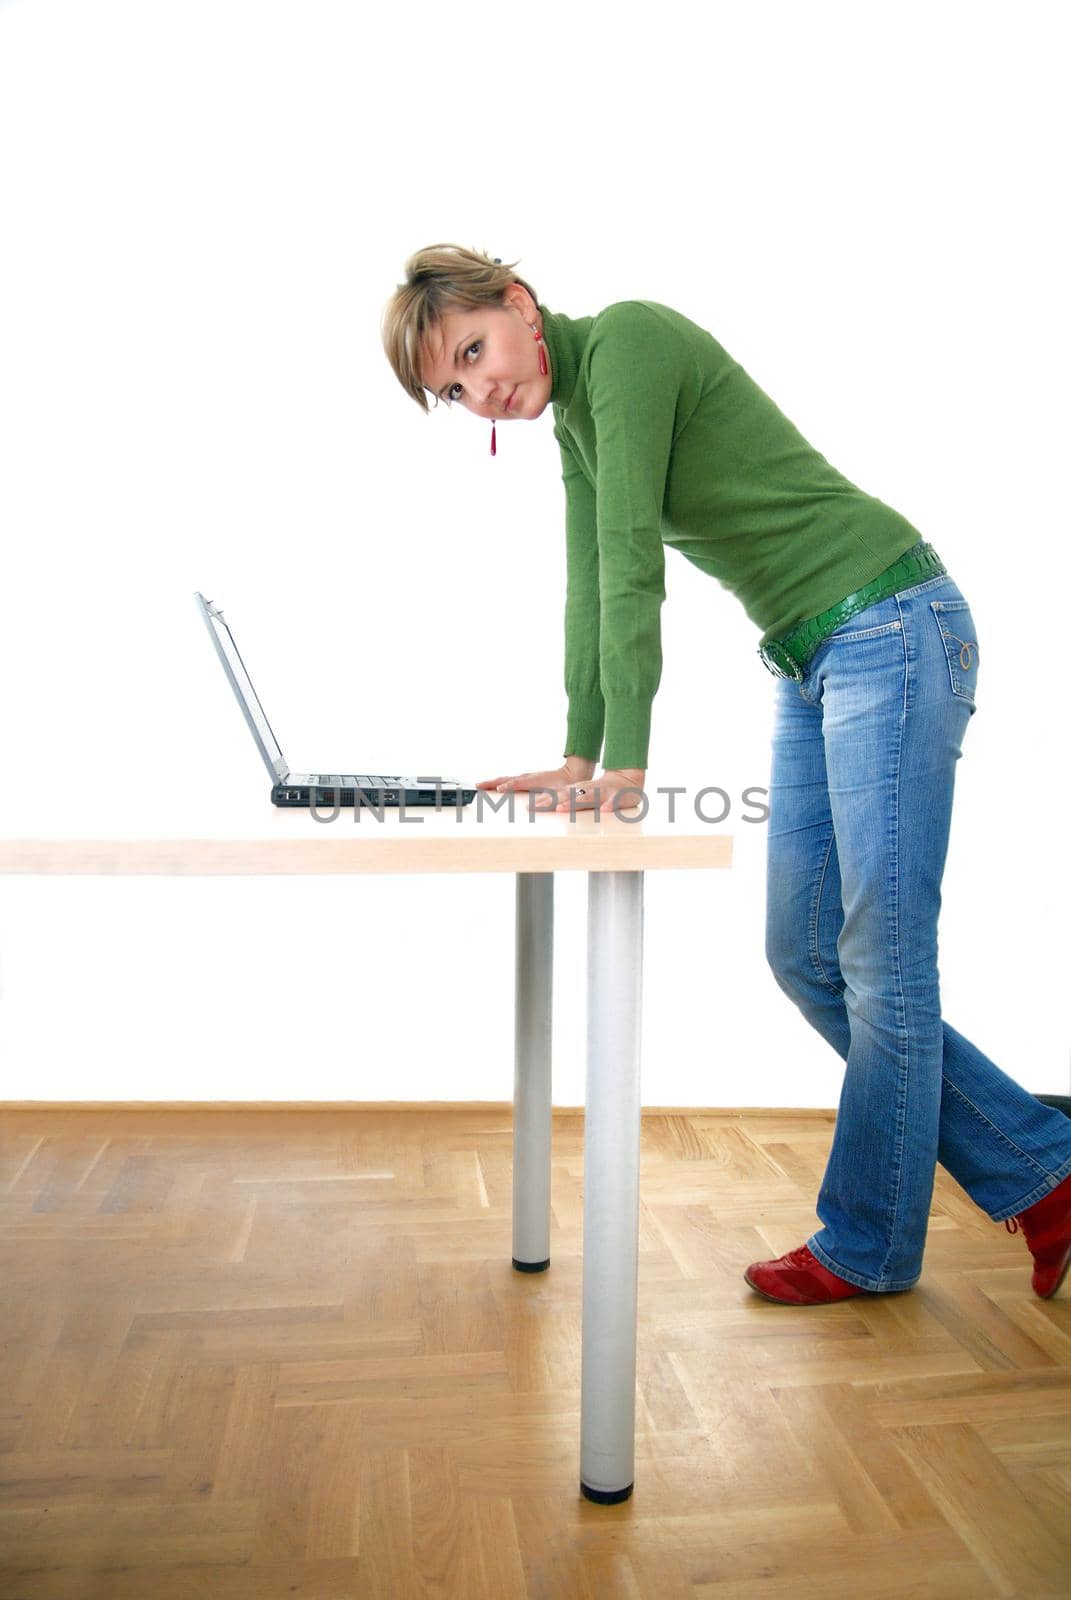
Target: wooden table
209, 835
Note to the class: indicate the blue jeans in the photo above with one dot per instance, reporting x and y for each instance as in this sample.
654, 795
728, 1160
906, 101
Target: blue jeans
864, 760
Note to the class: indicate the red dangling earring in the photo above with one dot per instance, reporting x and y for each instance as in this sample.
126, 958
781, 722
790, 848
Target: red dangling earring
543, 370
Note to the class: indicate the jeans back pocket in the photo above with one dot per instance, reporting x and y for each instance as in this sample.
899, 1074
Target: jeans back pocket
953, 618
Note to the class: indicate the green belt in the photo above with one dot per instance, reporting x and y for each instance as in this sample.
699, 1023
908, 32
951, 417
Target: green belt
787, 657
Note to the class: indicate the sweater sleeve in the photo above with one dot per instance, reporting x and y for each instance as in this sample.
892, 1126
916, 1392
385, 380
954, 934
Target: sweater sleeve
634, 387
583, 735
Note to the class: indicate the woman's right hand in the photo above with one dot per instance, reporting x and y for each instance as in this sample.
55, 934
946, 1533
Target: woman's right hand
574, 769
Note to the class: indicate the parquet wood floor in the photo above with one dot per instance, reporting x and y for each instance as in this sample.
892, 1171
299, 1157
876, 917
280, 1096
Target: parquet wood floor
254, 1354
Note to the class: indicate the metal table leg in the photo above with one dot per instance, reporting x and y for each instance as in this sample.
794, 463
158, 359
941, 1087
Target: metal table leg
611, 1186
531, 1071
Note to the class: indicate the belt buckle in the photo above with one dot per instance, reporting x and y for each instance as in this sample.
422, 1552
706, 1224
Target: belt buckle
776, 659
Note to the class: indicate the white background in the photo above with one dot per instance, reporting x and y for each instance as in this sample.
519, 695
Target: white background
204, 208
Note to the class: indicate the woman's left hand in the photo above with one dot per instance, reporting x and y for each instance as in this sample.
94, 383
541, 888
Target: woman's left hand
602, 790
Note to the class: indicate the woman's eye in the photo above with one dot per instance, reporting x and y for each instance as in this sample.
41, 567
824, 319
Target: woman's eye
450, 392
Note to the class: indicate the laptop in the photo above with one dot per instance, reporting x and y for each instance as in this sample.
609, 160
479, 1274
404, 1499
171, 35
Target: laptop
318, 788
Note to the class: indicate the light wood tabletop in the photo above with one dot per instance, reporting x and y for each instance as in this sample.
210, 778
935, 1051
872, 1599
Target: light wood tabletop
206, 835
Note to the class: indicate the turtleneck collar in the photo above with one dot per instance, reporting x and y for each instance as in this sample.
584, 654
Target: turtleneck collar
565, 338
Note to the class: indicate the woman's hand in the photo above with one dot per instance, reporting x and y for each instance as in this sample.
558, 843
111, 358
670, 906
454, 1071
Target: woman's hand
572, 786
601, 792
574, 769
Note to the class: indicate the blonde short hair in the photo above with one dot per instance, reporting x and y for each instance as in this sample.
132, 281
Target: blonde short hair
438, 279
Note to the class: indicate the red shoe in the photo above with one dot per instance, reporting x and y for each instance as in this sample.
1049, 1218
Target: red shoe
1047, 1229
799, 1279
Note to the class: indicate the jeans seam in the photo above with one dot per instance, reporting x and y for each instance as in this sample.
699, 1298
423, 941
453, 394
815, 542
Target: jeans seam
814, 918
902, 1084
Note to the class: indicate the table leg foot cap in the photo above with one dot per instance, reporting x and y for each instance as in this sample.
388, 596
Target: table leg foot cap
531, 1266
605, 1497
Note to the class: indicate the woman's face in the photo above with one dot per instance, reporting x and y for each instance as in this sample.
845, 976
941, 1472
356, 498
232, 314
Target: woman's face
487, 358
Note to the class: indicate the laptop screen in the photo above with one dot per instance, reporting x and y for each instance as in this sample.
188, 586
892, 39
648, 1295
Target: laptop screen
240, 682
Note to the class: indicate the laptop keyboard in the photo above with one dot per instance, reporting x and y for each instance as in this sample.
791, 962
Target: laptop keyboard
370, 780
360, 780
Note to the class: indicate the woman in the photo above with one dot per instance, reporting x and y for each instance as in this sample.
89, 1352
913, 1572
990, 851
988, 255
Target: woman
665, 440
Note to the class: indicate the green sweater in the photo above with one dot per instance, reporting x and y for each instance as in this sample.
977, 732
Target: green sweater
665, 440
